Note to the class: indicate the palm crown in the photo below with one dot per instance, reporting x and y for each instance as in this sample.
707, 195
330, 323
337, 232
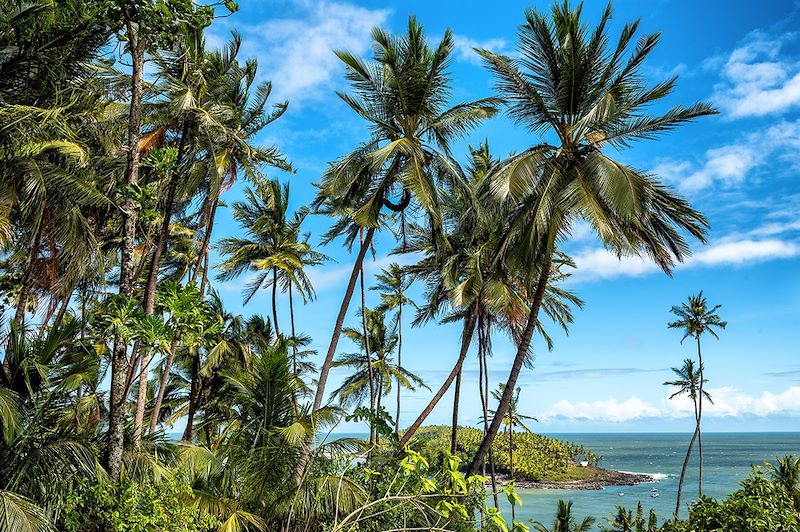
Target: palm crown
403, 94
695, 317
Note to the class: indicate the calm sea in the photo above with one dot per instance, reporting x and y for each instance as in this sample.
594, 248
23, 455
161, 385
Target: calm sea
728, 459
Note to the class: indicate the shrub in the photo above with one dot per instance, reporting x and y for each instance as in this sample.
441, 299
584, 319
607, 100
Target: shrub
134, 507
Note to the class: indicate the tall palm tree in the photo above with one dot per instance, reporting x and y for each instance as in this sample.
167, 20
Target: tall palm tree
573, 87
382, 341
273, 248
564, 521
403, 94
688, 383
695, 318
465, 281
392, 284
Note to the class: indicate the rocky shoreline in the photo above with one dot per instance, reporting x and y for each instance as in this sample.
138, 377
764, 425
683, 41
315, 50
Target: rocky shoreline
604, 478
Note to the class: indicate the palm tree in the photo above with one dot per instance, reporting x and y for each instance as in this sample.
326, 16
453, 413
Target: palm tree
513, 419
235, 113
393, 283
465, 281
786, 472
403, 95
274, 247
564, 521
571, 86
696, 318
688, 383
376, 366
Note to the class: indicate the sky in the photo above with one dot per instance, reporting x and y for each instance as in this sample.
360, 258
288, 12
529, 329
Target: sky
740, 168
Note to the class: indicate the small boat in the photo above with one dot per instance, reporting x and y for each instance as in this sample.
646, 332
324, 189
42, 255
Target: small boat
654, 490
621, 494
654, 494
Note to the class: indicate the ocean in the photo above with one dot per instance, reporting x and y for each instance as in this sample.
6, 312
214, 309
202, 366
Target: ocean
728, 459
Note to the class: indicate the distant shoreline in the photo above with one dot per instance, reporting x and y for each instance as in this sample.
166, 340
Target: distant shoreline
605, 478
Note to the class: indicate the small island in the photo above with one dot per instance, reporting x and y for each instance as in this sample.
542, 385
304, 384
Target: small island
538, 462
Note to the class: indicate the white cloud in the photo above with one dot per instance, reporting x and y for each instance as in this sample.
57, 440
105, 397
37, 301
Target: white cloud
733, 164
599, 263
757, 79
465, 48
297, 53
744, 252
728, 402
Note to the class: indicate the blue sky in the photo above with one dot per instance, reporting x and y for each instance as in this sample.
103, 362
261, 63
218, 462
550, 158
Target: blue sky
740, 168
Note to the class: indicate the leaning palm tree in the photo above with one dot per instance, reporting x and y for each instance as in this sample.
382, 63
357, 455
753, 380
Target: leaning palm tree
564, 521
696, 318
466, 283
404, 95
588, 97
688, 383
392, 284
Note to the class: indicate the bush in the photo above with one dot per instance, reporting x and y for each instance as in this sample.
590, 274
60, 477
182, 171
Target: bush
133, 507
760, 506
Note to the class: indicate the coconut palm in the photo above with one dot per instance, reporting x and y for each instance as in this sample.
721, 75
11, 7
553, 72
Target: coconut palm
382, 341
465, 281
564, 521
688, 384
236, 113
403, 94
274, 247
695, 318
570, 85
393, 284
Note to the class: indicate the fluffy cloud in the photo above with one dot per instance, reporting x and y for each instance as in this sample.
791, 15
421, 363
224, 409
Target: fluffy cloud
728, 402
600, 263
758, 79
465, 48
732, 164
297, 52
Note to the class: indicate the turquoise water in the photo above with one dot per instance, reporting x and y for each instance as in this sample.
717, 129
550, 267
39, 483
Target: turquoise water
728, 459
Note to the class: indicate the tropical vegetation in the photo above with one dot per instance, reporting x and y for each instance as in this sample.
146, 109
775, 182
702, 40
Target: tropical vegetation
122, 132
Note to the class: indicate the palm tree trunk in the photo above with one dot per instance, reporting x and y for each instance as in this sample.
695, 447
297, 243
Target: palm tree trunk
466, 338
399, 364
294, 337
211, 207
119, 362
699, 420
683, 470
141, 398
367, 354
187, 433
162, 387
519, 359
337, 329
511, 462
454, 424
274, 301
294, 347
483, 389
